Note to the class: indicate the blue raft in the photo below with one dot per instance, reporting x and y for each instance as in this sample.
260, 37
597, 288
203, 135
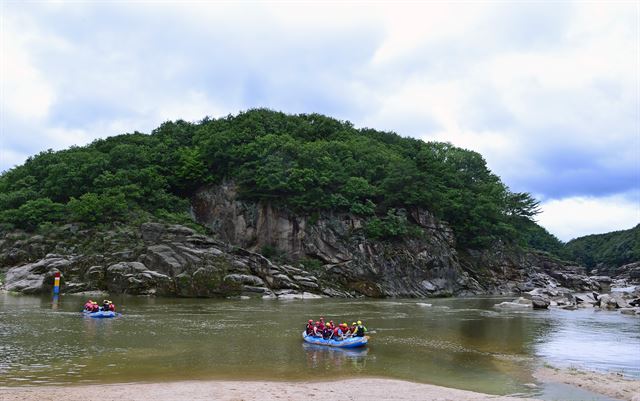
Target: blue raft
352, 342
100, 314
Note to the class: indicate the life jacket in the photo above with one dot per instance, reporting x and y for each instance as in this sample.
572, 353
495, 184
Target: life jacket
112, 307
337, 333
326, 333
360, 331
310, 327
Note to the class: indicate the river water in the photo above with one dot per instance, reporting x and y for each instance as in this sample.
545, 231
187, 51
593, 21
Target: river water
457, 342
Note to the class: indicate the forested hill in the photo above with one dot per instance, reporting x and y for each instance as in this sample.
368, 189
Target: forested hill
306, 163
609, 250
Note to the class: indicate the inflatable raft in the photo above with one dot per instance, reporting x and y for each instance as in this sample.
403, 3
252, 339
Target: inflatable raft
352, 342
100, 314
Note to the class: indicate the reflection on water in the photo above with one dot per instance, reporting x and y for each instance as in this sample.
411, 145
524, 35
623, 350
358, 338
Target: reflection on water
335, 359
462, 343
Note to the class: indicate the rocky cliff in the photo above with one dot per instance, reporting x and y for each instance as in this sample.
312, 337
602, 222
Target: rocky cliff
427, 265
325, 254
155, 259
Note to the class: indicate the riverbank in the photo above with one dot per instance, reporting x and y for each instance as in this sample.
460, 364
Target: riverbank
354, 389
614, 385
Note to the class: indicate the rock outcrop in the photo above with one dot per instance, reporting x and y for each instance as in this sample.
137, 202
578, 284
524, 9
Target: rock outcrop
419, 267
325, 254
163, 260
428, 265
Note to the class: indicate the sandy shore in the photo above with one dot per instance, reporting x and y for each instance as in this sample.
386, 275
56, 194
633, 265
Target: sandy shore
612, 385
352, 390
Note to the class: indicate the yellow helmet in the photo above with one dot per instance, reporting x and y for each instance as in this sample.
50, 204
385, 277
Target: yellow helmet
359, 321
353, 324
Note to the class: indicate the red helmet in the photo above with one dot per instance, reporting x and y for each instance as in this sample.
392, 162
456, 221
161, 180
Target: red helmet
310, 320
317, 323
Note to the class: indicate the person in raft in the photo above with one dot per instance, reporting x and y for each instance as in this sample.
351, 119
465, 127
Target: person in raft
309, 328
91, 306
108, 306
360, 329
330, 330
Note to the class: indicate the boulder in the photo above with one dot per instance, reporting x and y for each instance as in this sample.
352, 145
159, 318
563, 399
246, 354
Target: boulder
135, 278
520, 303
245, 279
603, 280
151, 232
35, 278
606, 301
540, 302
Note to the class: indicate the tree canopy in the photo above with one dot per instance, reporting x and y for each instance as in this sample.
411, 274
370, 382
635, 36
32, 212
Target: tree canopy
609, 250
307, 163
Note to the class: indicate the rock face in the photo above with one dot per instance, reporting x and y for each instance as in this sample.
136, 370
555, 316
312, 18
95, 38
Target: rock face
165, 260
32, 278
325, 254
427, 266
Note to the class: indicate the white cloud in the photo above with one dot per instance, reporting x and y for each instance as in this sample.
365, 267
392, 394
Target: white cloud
573, 217
545, 92
26, 91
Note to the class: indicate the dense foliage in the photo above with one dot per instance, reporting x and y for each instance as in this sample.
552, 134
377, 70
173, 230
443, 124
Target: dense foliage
613, 249
307, 163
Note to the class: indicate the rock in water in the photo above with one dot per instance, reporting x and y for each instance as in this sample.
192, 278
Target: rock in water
540, 302
606, 301
520, 303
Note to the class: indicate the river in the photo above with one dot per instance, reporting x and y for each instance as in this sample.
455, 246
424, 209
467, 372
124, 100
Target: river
456, 342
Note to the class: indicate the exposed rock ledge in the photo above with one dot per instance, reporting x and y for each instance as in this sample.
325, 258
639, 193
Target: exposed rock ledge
328, 254
158, 259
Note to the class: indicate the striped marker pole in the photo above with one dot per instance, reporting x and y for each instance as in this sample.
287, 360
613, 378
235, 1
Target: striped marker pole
56, 283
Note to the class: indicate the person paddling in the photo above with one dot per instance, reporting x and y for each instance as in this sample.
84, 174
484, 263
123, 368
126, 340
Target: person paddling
338, 332
309, 328
327, 333
360, 329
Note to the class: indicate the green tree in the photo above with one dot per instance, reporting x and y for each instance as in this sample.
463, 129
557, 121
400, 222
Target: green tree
94, 208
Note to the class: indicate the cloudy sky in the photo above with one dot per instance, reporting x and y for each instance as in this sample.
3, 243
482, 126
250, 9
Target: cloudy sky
548, 92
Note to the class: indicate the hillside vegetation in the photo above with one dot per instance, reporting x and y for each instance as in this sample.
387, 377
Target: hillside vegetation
307, 163
607, 250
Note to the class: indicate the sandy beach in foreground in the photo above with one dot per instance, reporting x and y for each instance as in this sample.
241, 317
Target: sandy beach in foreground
609, 384
353, 390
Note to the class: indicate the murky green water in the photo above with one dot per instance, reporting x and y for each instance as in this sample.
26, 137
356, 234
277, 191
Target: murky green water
462, 343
